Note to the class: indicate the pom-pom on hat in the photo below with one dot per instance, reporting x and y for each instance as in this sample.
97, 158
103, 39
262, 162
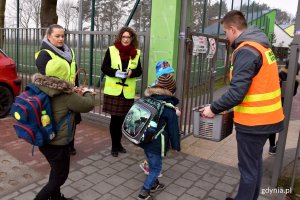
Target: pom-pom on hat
163, 68
166, 82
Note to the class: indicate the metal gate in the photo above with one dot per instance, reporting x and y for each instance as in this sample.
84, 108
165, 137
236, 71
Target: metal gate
205, 66
89, 47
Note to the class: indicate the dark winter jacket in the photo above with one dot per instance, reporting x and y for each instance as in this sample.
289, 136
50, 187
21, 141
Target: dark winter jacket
63, 100
168, 117
283, 77
247, 63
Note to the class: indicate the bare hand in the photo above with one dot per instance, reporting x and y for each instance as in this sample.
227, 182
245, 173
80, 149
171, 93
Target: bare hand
129, 73
206, 112
178, 112
82, 90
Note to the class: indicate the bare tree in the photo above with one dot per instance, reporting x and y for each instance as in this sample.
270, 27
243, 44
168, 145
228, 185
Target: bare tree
67, 11
48, 13
29, 11
36, 7
25, 14
108, 13
2, 12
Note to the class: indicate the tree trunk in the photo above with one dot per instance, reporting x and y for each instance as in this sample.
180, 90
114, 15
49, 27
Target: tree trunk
2, 12
48, 13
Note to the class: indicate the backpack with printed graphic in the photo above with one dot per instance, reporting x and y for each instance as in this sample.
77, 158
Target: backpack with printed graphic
140, 123
27, 110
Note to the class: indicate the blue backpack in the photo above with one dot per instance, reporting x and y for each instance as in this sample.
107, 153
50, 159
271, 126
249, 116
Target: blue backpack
27, 110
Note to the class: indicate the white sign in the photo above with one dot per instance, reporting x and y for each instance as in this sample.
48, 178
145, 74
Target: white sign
199, 44
212, 48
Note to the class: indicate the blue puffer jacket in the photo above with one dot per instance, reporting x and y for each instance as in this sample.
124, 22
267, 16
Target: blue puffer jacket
171, 131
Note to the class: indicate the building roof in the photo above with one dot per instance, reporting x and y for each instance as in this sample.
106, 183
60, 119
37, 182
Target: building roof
213, 29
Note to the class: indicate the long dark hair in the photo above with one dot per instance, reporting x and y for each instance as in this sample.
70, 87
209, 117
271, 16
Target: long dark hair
132, 33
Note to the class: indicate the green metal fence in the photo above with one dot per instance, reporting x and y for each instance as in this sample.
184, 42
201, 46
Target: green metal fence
21, 45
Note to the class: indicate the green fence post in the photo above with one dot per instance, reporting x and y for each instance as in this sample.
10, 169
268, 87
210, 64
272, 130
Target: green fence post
92, 44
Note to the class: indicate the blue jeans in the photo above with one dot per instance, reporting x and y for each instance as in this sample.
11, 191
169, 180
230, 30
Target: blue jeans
250, 149
155, 166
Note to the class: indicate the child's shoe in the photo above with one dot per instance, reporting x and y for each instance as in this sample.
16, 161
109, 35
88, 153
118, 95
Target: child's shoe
272, 150
145, 167
158, 187
144, 194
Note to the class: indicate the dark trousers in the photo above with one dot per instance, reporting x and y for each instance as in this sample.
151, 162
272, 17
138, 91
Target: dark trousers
116, 132
77, 121
59, 159
272, 138
71, 143
250, 149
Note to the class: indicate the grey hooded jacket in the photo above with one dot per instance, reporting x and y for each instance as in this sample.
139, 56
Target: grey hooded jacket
247, 63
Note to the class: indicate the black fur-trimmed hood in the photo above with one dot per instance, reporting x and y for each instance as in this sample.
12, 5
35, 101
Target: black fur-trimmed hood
52, 85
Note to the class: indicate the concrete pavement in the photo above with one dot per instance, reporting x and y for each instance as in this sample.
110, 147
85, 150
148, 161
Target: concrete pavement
203, 170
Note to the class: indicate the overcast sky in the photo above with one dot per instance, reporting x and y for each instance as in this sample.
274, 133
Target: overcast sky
289, 6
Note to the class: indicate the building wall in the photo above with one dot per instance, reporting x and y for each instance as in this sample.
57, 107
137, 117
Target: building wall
282, 39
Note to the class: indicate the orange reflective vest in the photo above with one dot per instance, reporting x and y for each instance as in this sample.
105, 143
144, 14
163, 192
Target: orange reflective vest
262, 103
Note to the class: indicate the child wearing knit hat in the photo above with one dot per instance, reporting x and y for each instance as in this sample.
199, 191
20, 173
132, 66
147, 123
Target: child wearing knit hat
163, 68
163, 89
164, 76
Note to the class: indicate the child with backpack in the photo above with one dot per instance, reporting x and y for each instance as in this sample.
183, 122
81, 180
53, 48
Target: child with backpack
162, 68
163, 89
66, 100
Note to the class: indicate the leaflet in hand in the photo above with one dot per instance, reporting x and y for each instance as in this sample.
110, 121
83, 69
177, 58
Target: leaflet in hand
120, 74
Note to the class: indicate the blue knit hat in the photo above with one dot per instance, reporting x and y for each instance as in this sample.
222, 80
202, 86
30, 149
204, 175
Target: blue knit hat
163, 68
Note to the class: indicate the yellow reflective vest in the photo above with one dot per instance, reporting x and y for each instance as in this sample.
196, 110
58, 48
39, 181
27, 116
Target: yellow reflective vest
66, 71
262, 103
113, 86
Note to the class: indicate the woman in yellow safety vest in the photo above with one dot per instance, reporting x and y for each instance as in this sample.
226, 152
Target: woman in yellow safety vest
55, 54
121, 65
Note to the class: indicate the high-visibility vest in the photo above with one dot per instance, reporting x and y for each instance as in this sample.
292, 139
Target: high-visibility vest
63, 69
114, 86
262, 103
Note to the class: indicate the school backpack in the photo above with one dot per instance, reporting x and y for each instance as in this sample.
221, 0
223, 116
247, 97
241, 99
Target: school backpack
27, 110
140, 123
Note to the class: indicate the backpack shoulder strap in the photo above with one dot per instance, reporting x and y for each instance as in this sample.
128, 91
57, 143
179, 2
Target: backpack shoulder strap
169, 105
32, 87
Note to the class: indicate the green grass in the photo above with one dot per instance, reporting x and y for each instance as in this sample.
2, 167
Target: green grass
285, 182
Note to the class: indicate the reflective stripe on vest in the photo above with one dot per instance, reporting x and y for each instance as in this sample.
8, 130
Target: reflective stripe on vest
262, 103
59, 62
111, 87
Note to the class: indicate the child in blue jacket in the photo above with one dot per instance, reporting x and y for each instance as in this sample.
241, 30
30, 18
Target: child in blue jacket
163, 89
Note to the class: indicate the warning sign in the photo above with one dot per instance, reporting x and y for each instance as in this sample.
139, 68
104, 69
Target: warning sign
212, 48
199, 44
